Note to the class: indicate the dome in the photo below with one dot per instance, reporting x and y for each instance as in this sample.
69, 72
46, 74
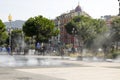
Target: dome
78, 9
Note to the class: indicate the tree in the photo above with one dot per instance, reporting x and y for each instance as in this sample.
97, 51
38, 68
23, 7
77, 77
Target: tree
87, 28
116, 31
3, 34
40, 27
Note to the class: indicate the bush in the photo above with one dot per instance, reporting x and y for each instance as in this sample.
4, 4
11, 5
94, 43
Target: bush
115, 54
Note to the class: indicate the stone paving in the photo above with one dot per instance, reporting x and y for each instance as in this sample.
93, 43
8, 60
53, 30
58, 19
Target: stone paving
12, 74
93, 71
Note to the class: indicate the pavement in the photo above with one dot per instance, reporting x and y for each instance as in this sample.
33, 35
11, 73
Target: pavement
93, 71
78, 70
12, 74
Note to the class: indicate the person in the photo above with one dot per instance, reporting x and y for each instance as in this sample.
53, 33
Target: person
73, 49
9, 50
43, 50
25, 50
37, 48
62, 52
0, 49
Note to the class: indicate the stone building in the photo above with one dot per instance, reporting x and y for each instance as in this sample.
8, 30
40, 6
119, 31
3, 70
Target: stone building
62, 20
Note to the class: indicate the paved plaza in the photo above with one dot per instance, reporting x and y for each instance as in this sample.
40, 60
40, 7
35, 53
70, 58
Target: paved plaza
78, 70
93, 71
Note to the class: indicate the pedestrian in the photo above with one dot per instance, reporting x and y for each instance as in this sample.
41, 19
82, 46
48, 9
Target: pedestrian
62, 52
9, 50
38, 47
0, 49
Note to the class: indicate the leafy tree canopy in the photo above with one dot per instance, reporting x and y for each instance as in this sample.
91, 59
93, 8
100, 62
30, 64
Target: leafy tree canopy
40, 27
2, 27
116, 29
3, 34
86, 27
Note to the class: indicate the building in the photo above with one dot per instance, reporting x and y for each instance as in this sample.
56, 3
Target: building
62, 20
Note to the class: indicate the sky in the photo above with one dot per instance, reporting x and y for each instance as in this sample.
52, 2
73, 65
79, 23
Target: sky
24, 9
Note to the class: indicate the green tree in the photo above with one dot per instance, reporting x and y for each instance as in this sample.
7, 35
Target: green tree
116, 31
87, 28
40, 27
3, 34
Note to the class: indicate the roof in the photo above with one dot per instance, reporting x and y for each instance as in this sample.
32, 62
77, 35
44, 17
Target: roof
78, 9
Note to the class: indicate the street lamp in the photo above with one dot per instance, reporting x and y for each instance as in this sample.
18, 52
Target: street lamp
73, 32
10, 19
23, 43
119, 7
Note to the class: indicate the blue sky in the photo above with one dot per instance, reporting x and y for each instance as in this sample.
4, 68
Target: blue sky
24, 9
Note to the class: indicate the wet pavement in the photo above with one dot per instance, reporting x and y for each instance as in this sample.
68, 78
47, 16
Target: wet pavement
31, 67
34, 61
9, 64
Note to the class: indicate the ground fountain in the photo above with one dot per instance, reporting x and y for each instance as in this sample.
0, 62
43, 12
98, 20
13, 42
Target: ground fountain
32, 61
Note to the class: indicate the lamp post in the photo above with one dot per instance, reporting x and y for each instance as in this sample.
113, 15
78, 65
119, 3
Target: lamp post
73, 32
10, 19
119, 7
23, 43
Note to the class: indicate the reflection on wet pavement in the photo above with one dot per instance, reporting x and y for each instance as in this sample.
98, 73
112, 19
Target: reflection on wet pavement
23, 61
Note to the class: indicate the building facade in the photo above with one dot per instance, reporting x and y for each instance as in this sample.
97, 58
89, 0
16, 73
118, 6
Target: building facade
62, 20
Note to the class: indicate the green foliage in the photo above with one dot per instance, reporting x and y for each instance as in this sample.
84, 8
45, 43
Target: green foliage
116, 29
114, 54
3, 38
16, 33
3, 34
86, 27
69, 27
27, 39
40, 27
2, 27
